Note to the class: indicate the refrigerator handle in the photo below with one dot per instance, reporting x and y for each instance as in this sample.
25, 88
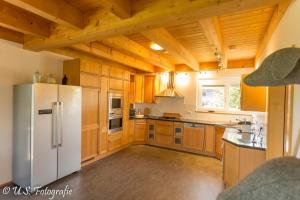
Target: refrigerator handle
60, 124
54, 125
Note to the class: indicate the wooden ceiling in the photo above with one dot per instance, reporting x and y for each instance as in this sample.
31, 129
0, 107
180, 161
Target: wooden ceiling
191, 32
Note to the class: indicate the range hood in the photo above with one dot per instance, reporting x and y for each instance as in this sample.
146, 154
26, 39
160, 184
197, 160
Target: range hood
171, 91
280, 68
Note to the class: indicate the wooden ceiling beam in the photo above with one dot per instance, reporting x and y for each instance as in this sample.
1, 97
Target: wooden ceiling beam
19, 20
12, 36
121, 8
162, 37
276, 18
213, 33
57, 11
100, 50
126, 45
168, 12
231, 64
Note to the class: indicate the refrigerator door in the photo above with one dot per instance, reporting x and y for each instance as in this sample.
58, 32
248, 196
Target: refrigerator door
44, 150
69, 130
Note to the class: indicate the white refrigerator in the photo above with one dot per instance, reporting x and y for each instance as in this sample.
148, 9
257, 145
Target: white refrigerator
47, 133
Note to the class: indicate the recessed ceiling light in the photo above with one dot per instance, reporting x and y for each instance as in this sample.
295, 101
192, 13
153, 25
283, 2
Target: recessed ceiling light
155, 47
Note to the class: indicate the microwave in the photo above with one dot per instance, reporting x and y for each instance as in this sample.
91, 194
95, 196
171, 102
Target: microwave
115, 111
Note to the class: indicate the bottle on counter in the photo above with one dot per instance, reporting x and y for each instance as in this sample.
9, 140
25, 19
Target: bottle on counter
64, 80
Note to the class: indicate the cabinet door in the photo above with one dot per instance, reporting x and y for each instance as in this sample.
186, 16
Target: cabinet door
250, 159
90, 67
139, 88
90, 123
131, 131
210, 139
125, 137
89, 80
115, 84
149, 89
103, 135
253, 98
115, 72
193, 138
115, 140
164, 132
231, 164
219, 134
140, 130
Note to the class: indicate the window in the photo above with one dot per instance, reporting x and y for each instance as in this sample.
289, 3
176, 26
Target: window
219, 95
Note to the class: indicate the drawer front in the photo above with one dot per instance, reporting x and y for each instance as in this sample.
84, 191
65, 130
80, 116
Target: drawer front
193, 138
163, 139
115, 84
164, 128
89, 80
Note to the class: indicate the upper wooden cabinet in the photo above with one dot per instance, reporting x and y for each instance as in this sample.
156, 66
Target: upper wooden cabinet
253, 98
146, 87
116, 73
139, 88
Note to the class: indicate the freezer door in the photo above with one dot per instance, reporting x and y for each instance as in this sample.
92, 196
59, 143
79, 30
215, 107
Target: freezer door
44, 150
69, 130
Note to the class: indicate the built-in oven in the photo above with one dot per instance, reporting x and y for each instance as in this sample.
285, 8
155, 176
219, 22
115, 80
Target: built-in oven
115, 111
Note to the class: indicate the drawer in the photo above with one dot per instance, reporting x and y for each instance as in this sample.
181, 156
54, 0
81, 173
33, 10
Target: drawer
163, 139
89, 80
115, 84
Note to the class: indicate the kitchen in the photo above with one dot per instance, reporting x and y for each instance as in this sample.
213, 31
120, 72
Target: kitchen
136, 107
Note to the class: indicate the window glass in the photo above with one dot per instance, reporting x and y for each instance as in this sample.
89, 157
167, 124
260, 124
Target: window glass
213, 96
234, 97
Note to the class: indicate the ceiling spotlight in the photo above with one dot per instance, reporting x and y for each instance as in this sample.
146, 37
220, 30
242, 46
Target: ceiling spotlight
155, 47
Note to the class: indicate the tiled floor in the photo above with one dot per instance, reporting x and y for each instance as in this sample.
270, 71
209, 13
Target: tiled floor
142, 172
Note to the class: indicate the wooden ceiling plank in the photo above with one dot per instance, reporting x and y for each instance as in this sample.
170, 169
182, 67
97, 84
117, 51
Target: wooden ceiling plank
276, 18
214, 36
12, 36
124, 44
57, 11
162, 37
100, 50
19, 20
171, 12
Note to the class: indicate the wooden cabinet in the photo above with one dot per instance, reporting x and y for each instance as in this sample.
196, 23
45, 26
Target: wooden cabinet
139, 88
103, 114
140, 129
90, 123
253, 98
231, 164
116, 73
131, 131
209, 139
239, 162
219, 134
115, 84
115, 140
151, 88
125, 137
178, 133
164, 133
193, 137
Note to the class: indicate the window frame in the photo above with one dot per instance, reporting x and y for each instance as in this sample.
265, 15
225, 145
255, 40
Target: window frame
227, 82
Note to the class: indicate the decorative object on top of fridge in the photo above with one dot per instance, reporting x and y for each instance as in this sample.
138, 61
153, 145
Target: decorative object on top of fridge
36, 77
64, 80
51, 79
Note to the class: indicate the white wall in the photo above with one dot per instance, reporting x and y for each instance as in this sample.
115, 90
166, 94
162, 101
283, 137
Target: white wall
187, 106
286, 35
17, 66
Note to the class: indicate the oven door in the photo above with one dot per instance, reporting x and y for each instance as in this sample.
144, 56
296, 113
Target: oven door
115, 124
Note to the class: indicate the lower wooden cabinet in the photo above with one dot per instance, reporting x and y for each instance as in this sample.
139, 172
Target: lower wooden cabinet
140, 129
88, 144
193, 137
115, 141
219, 132
210, 139
164, 133
239, 162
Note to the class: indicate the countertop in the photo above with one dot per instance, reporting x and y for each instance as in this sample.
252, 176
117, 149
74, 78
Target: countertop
232, 136
185, 120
